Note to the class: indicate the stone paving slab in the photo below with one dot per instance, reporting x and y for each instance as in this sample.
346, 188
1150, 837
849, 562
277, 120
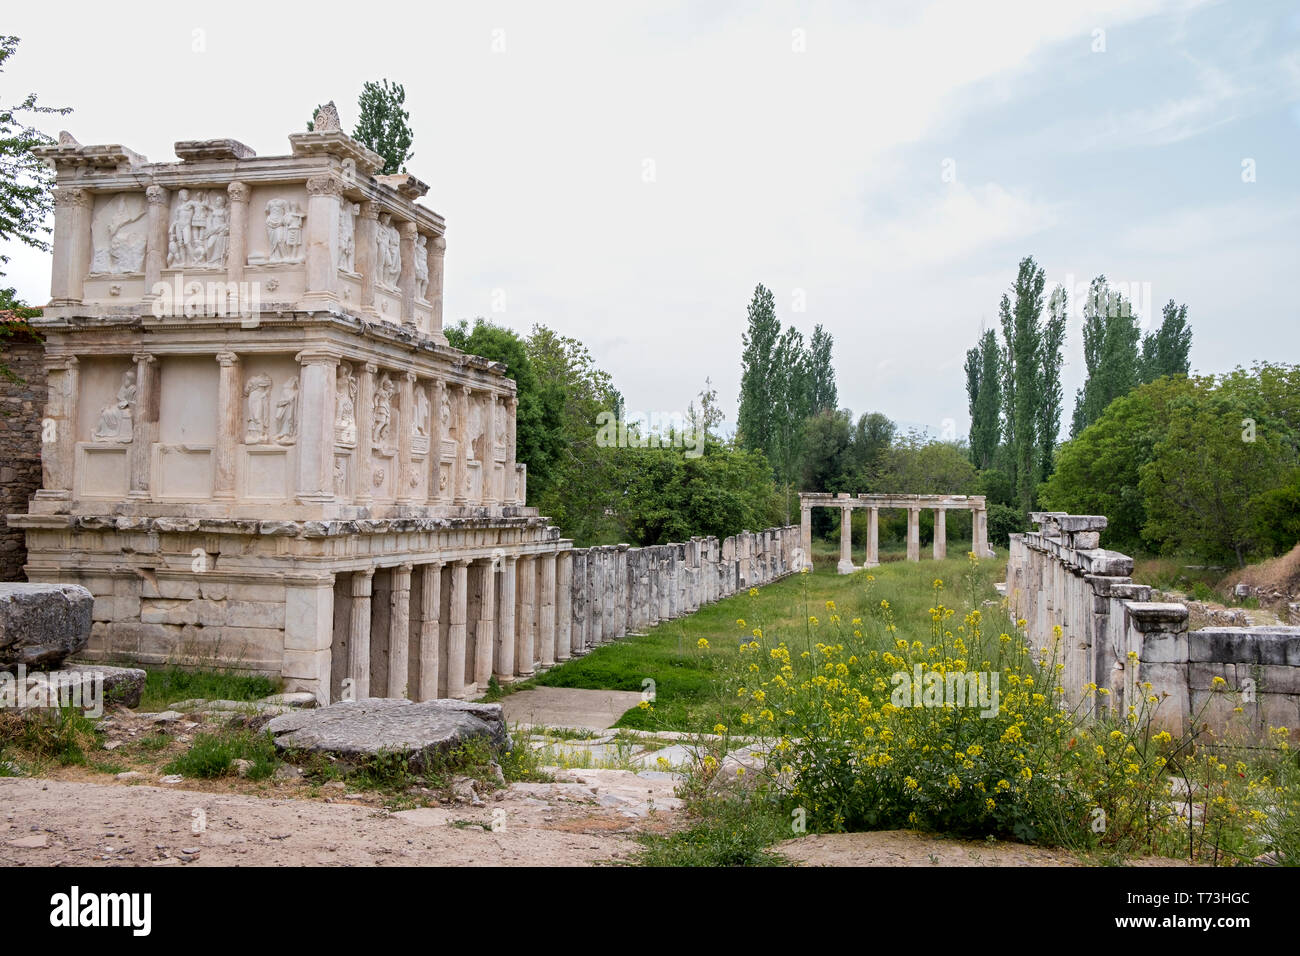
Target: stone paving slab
569, 707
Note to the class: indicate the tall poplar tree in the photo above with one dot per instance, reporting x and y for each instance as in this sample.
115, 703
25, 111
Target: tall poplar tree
984, 392
754, 425
822, 393
1167, 351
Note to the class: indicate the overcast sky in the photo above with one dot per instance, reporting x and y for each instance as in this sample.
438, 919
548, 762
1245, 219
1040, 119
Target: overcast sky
626, 173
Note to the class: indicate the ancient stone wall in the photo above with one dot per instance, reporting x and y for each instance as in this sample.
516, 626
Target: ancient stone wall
22, 397
1114, 636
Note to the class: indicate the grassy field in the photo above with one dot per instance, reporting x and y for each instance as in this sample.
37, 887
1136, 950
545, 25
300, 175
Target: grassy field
688, 684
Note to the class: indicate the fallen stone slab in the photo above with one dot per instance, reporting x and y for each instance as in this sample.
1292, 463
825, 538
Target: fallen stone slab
42, 624
89, 688
373, 726
296, 699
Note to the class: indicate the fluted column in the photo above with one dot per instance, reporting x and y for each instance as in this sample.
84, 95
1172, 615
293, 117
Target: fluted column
399, 631
237, 243
485, 637
457, 598
546, 609
364, 243
321, 241
461, 420
940, 534
359, 634
564, 605
505, 654
144, 428
406, 420
914, 534
318, 373
873, 537
228, 405
406, 279
155, 242
430, 645
72, 247
365, 429
525, 616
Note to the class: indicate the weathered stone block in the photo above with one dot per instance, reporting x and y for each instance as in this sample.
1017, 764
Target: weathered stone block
41, 624
365, 728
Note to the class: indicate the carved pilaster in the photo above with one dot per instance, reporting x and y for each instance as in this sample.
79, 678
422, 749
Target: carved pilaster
437, 252
155, 250
323, 197
461, 424
406, 422
237, 247
367, 228
59, 428
71, 246
228, 409
315, 425
365, 429
406, 281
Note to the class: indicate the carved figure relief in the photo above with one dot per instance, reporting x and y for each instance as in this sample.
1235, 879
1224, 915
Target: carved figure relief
420, 424
347, 238
284, 219
199, 229
444, 414
421, 267
257, 409
388, 257
286, 413
340, 476
500, 425
119, 234
383, 411
115, 418
345, 406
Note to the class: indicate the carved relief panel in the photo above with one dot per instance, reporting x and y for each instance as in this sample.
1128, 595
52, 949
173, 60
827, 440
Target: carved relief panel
198, 229
118, 234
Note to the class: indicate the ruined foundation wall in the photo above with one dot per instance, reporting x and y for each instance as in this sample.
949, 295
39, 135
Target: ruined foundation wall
21, 400
1114, 636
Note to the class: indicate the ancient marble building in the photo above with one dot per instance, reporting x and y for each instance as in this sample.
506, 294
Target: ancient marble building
259, 449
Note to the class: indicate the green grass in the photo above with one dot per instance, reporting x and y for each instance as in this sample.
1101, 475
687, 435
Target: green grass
687, 682
165, 685
723, 831
213, 755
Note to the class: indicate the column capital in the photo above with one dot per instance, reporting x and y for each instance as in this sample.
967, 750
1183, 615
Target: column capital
369, 210
61, 362
157, 195
437, 245
408, 230
311, 579
227, 359
148, 358
318, 357
370, 367
411, 377
324, 186
239, 192
461, 562
73, 196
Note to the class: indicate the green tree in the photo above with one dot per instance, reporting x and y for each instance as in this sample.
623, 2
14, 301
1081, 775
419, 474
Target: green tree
1167, 350
789, 393
706, 420
822, 392
537, 439
1097, 471
25, 181
755, 424
1204, 473
1049, 397
984, 395
1111, 336
382, 124
1023, 390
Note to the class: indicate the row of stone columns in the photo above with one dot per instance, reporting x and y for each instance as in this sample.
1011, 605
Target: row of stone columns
979, 534
618, 590
445, 629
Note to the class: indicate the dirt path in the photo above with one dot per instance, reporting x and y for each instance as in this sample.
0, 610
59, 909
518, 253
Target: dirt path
54, 822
